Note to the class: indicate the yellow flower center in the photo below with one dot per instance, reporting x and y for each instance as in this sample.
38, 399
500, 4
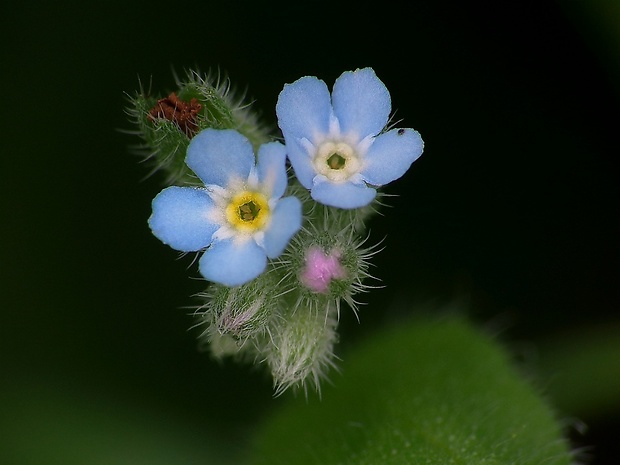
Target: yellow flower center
248, 211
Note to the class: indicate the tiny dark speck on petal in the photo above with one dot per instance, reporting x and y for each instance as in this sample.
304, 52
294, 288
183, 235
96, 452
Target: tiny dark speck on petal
401, 132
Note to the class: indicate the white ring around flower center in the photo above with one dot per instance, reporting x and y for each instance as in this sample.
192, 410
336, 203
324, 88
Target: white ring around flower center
337, 161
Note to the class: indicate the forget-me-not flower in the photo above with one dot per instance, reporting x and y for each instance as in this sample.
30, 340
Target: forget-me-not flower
338, 145
239, 217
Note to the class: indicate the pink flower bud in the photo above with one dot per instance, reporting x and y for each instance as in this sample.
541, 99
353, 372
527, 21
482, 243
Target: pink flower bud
320, 269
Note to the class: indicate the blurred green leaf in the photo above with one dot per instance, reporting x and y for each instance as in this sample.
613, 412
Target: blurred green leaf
583, 367
62, 424
422, 393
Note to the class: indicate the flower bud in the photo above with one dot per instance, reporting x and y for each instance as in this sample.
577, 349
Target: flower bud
320, 269
240, 313
167, 124
303, 348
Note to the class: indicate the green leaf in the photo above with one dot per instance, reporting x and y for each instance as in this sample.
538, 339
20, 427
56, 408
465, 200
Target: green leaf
56, 422
583, 369
423, 393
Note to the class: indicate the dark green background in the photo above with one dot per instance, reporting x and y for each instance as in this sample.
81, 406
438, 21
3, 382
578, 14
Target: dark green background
511, 211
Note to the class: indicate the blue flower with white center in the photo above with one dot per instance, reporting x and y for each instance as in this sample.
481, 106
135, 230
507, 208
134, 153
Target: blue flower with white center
239, 217
338, 145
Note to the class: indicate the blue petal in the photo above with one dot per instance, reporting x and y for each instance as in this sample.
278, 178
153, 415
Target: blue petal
301, 162
343, 195
285, 222
180, 219
361, 102
304, 108
233, 264
391, 155
271, 168
216, 155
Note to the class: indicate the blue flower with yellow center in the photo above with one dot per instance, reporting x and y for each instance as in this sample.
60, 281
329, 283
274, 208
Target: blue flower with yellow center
239, 217
338, 144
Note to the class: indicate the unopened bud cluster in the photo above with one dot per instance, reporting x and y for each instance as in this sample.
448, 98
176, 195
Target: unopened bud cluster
279, 226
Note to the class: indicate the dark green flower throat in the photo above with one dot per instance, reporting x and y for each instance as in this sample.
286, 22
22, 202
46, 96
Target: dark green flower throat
336, 161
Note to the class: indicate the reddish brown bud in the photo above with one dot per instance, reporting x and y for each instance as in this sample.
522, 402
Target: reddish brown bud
181, 112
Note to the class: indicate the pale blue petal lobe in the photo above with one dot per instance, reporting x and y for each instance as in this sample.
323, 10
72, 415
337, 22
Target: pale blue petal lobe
217, 155
271, 168
180, 219
345, 195
232, 264
285, 222
301, 162
391, 155
361, 102
304, 108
